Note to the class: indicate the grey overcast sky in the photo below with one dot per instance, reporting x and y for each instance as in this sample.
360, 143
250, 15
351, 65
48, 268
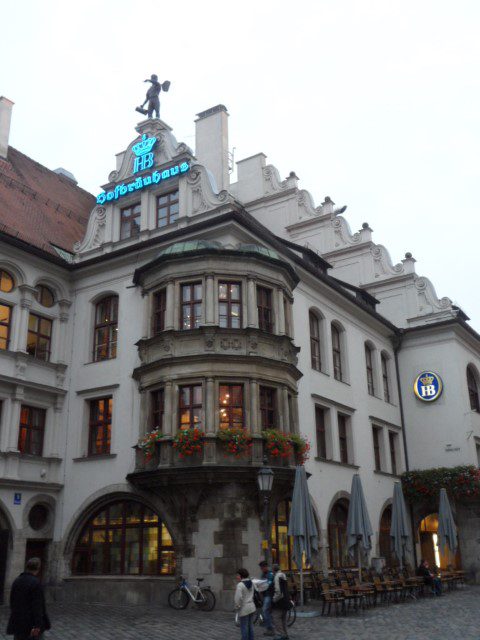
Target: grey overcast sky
375, 103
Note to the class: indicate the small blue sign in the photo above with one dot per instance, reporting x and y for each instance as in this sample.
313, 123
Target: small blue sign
428, 386
17, 498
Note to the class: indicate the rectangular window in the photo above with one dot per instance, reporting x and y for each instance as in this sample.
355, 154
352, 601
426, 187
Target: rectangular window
315, 342
106, 329
159, 310
230, 406
369, 363
130, 221
343, 437
167, 209
337, 354
5, 323
392, 437
190, 402
376, 431
321, 432
31, 431
265, 312
191, 308
478, 454
386, 385
100, 426
267, 407
230, 304
39, 337
158, 409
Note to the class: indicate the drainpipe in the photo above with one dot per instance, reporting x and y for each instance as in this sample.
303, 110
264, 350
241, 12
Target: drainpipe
397, 344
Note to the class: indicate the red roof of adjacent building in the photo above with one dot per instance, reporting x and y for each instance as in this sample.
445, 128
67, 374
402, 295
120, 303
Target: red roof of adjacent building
39, 206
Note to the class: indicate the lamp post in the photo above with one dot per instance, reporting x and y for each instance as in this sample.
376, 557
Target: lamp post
265, 483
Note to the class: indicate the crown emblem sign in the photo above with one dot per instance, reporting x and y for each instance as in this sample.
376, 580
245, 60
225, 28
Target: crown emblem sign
144, 146
426, 380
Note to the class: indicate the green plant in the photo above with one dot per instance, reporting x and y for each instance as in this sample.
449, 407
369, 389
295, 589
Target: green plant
188, 441
277, 444
301, 447
237, 441
460, 482
148, 443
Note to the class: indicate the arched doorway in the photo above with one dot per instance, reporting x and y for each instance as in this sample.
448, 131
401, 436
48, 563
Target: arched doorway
384, 539
124, 537
4, 547
282, 543
429, 544
337, 535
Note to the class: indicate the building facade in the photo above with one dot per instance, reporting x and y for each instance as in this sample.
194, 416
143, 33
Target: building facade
179, 301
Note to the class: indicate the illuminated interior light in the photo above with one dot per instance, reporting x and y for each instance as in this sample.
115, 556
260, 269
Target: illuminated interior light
436, 550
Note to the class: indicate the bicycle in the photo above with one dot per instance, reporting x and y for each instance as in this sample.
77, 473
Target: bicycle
180, 597
258, 616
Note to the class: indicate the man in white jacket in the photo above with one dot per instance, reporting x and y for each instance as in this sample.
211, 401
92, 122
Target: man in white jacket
244, 604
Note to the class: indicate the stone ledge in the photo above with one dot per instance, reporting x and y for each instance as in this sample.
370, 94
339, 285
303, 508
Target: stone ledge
338, 463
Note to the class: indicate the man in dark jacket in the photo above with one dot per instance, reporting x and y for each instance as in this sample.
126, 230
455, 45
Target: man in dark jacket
28, 617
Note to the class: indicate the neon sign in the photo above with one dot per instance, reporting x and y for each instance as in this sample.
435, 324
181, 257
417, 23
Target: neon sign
142, 181
143, 151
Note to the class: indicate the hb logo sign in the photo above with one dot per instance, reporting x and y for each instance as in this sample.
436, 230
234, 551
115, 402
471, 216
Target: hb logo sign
428, 386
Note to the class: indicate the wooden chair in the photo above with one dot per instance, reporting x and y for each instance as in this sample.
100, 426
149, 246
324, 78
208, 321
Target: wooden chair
332, 598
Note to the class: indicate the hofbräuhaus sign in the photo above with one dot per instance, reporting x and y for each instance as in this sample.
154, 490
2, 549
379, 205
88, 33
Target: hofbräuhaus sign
428, 386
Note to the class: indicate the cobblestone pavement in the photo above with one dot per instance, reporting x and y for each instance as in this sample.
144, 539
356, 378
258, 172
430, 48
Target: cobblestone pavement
452, 617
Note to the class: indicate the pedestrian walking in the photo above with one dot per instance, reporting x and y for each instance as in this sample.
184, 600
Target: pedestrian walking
280, 603
267, 575
28, 614
244, 604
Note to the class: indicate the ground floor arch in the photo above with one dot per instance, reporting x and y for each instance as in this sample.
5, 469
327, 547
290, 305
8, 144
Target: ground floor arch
337, 535
384, 539
429, 549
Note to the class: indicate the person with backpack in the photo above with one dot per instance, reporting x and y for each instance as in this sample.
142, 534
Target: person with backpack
267, 598
280, 603
244, 604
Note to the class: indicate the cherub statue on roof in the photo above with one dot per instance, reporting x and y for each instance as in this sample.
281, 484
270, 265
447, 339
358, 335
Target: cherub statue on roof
152, 97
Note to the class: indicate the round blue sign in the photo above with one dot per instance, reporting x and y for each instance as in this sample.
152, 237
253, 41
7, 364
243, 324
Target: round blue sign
428, 386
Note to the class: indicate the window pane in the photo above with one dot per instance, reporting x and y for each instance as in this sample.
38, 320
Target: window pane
222, 291
197, 394
150, 516
168, 563
98, 549
6, 281
100, 518
115, 551
32, 322
150, 550
133, 512
132, 550
186, 290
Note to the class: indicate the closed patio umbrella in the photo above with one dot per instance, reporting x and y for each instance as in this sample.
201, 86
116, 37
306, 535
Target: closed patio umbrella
302, 526
399, 530
447, 530
359, 528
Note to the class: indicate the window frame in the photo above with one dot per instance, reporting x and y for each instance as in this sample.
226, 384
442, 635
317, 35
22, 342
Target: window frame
268, 410
40, 336
337, 352
229, 301
369, 350
39, 295
131, 220
157, 409
110, 327
387, 396
170, 217
377, 451
190, 407
8, 325
29, 427
229, 407
472, 387
106, 422
265, 308
159, 310
10, 276
321, 432
393, 446
192, 302
315, 344
343, 438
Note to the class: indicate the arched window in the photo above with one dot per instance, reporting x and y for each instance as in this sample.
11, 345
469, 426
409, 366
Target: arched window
472, 389
106, 327
6, 281
124, 538
315, 341
337, 353
384, 540
44, 295
337, 535
369, 365
385, 378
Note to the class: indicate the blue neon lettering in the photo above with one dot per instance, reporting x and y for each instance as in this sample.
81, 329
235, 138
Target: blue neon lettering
141, 182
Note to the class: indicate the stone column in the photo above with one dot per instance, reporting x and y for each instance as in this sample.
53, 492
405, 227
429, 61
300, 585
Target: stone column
168, 409
252, 313
52, 429
210, 413
60, 352
170, 310
174, 405
280, 324
13, 427
22, 324
287, 427
255, 425
209, 300
295, 426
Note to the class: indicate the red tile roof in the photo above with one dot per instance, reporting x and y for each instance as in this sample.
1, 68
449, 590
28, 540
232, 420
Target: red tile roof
40, 206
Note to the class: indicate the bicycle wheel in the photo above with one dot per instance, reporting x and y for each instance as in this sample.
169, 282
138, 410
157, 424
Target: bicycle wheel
178, 599
209, 602
291, 615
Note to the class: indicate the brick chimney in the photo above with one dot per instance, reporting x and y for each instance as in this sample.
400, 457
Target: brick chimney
6, 106
211, 143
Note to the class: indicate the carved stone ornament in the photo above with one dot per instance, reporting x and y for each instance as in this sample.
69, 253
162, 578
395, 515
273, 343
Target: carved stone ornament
95, 234
383, 265
200, 194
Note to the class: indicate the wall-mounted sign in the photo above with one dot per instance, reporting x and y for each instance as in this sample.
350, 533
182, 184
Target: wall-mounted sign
142, 181
143, 151
428, 386
17, 498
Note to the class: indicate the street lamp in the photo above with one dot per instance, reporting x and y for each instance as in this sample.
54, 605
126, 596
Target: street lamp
265, 483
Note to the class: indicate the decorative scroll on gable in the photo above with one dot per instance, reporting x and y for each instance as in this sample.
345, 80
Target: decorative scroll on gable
200, 195
382, 263
95, 234
428, 301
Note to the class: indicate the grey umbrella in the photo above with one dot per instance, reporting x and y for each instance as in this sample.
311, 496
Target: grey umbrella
302, 525
399, 530
447, 530
359, 529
